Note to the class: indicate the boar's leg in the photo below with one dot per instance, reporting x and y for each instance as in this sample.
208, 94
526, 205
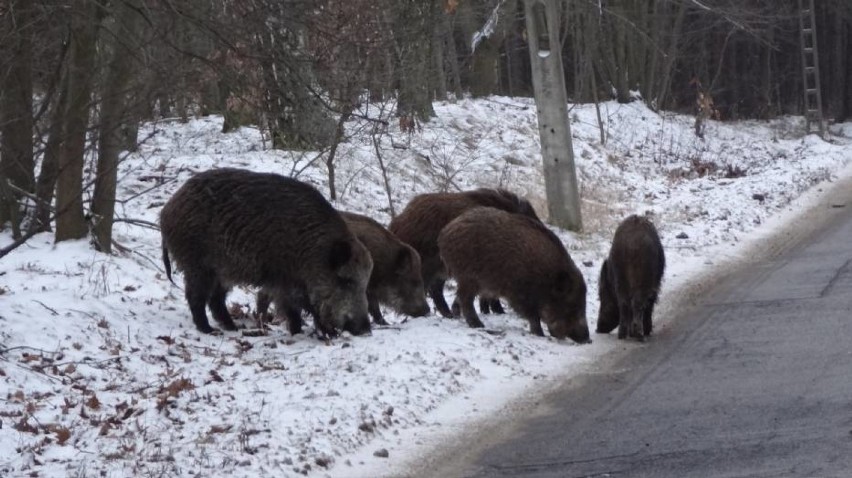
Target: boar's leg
484, 305
465, 295
487, 305
261, 306
625, 318
197, 287
535, 326
436, 292
325, 331
636, 325
293, 314
456, 309
496, 306
218, 307
608, 316
375, 311
647, 325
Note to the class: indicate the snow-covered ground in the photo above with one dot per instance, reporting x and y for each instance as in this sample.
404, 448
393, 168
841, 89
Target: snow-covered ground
103, 373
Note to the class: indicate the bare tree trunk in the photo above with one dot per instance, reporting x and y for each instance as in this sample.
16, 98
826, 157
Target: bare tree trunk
329, 162
653, 58
839, 59
130, 126
766, 108
50, 161
377, 142
16, 102
438, 39
671, 56
452, 56
560, 177
622, 86
484, 78
70, 221
113, 115
847, 111
413, 23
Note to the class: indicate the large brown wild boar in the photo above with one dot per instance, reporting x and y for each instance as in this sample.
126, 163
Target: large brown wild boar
630, 279
508, 255
425, 215
227, 226
395, 280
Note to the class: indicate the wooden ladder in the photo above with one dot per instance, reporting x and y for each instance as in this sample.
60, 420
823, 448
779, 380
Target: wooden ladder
810, 69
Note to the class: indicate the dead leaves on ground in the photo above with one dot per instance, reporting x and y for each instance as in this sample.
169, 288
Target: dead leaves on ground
167, 393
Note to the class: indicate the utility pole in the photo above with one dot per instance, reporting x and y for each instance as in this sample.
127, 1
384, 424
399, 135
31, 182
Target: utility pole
560, 176
810, 69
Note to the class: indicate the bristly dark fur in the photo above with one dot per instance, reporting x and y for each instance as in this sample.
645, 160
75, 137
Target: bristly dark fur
230, 226
630, 279
508, 255
425, 215
395, 281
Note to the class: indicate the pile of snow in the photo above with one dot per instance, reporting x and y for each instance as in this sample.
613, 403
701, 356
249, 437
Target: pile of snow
104, 374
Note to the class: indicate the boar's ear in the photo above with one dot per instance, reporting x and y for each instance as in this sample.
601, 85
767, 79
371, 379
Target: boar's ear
340, 253
403, 260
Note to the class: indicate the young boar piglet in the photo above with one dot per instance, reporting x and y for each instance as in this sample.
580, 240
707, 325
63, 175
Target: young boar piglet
501, 254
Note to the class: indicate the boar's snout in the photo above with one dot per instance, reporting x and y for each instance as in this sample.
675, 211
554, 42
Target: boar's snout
578, 331
580, 334
418, 310
357, 325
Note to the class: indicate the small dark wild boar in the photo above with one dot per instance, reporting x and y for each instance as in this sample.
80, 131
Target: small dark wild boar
425, 215
395, 280
630, 279
228, 227
501, 254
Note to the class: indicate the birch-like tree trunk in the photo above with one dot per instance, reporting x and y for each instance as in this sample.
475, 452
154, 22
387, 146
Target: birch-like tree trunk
560, 177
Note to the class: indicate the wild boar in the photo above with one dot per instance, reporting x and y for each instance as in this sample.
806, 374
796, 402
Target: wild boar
501, 254
630, 279
228, 227
425, 215
395, 281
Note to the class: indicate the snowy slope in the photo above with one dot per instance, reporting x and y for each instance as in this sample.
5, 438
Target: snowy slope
103, 373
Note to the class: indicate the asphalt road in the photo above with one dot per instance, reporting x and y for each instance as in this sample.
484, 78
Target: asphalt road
754, 381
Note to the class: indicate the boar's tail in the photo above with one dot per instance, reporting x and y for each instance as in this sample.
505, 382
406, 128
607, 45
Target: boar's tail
167, 264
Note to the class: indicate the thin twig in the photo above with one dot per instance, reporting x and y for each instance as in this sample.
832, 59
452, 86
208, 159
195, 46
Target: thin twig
46, 307
4, 351
138, 222
88, 362
146, 191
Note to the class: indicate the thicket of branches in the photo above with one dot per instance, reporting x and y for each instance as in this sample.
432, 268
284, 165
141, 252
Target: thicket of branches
77, 77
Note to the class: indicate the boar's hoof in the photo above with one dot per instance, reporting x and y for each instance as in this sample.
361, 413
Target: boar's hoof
294, 328
359, 326
637, 332
422, 311
582, 339
456, 309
